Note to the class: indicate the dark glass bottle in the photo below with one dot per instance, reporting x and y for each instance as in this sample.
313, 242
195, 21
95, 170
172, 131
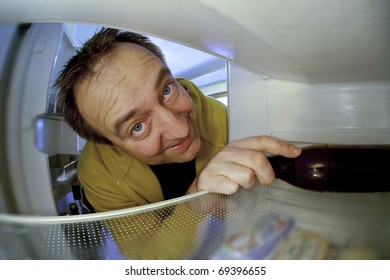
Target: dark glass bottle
78, 198
74, 209
341, 168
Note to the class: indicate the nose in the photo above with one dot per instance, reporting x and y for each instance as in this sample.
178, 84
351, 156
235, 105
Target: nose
172, 125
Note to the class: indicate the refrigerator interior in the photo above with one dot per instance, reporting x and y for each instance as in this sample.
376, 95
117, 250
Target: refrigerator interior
304, 72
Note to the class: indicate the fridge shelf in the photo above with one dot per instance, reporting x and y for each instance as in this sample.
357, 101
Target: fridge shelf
266, 222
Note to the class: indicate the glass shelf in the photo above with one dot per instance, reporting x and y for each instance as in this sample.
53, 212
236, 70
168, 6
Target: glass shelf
264, 222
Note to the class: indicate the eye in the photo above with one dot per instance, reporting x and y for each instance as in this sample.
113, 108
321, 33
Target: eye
168, 89
138, 127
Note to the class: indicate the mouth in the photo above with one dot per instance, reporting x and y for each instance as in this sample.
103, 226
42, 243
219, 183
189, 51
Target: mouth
182, 144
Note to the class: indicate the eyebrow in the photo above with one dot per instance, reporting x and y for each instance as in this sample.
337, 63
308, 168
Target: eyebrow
118, 123
161, 75
164, 71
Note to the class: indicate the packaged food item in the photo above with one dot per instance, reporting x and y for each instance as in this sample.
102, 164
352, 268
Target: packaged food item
359, 250
257, 240
303, 245
208, 237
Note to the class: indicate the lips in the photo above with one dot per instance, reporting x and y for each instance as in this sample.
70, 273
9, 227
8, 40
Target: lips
181, 144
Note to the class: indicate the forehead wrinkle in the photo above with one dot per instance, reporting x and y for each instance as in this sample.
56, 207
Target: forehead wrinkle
99, 63
111, 100
104, 102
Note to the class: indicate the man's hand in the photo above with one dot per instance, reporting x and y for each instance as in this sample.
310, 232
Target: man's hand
240, 162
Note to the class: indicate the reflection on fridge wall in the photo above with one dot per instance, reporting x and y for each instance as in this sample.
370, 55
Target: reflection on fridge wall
42, 150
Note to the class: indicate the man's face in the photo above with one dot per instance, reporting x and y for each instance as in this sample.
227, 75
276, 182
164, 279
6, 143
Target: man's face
136, 103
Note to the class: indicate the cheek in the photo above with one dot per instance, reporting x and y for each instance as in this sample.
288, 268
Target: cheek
146, 148
185, 102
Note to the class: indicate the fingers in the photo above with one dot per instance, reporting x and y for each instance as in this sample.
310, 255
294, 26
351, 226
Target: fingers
229, 170
241, 162
213, 178
233, 168
267, 144
243, 166
219, 184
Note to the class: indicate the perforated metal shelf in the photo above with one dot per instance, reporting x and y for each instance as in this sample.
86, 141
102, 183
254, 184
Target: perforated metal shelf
197, 227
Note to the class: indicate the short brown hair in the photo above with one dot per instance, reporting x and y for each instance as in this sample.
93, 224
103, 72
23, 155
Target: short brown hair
81, 65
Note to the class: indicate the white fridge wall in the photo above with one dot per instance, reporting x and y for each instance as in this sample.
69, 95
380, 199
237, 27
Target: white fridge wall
247, 95
337, 113
334, 113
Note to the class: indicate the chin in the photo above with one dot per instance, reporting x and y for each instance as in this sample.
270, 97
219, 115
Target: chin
189, 154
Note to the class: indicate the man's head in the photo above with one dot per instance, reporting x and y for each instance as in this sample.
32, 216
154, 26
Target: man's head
118, 90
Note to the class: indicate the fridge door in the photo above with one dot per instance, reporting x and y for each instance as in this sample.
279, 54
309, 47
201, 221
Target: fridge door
40, 51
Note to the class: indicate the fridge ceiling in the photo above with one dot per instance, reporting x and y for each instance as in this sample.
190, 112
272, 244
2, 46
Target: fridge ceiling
299, 40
